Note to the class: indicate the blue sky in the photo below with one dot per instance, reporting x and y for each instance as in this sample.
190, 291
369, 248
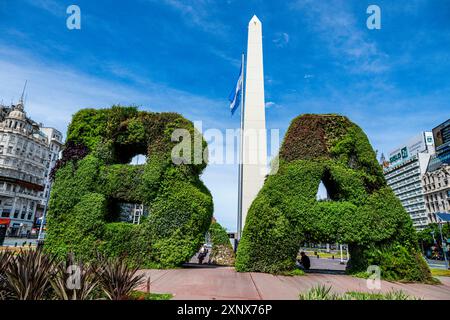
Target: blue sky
184, 56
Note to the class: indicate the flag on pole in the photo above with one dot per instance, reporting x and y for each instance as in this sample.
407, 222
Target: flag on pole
235, 96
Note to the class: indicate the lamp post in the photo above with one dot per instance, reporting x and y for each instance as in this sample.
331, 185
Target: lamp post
432, 234
41, 227
442, 245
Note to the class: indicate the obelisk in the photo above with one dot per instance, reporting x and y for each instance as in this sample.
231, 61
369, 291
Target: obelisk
254, 167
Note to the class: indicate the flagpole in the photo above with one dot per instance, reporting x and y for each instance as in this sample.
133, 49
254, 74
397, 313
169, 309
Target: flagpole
239, 222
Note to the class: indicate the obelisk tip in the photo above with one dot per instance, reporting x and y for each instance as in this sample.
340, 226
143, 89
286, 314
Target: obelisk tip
254, 20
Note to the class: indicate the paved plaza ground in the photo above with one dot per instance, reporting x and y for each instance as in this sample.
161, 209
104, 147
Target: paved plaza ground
222, 283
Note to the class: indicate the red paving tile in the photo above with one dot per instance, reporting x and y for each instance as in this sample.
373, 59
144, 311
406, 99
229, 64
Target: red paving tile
205, 283
225, 283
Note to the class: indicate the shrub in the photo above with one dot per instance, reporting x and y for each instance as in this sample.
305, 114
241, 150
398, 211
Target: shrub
27, 275
117, 280
221, 252
86, 184
5, 257
34, 275
319, 293
218, 234
74, 280
322, 292
362, 211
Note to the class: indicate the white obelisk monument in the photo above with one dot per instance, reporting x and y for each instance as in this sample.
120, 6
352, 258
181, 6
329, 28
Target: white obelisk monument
254, 140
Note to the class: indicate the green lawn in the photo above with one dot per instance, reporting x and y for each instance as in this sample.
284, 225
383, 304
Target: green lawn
440, 272
139, 295
295, 272
325, 255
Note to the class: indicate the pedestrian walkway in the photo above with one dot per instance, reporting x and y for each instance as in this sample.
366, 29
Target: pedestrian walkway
225, 283
436, 264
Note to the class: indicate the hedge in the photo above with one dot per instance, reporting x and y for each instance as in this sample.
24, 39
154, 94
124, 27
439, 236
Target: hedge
222, 252
362, 212
94, 175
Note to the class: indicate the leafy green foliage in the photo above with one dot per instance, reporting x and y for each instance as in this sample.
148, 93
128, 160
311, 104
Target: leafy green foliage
35, 275
362, 212
425, 236
292, 273
319, 293
218, 234
222, 252
71, 152
139, 295
322, 292
81, 217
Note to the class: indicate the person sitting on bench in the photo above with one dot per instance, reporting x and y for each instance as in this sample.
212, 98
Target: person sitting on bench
304, 262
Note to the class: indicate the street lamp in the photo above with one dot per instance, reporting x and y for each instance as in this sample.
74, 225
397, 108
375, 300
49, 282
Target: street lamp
342, 255
443, 217
41, 227
443, 247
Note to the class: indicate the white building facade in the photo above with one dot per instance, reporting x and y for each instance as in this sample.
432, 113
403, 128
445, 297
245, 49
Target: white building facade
407, 165
55, 143
436, 186
24, 160
436, 181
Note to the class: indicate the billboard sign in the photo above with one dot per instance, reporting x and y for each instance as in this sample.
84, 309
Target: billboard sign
441, 135
414, 146
429, 140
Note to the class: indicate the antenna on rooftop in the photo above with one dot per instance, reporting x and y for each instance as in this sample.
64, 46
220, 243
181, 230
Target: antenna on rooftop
23, 92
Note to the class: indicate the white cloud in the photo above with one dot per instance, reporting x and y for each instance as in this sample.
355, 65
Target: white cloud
344, 38
233, 61
51, 6
270, 104
281, 39
55, 92
388, 116
198, 13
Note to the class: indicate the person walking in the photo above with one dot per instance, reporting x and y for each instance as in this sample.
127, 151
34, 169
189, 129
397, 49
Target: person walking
201, 254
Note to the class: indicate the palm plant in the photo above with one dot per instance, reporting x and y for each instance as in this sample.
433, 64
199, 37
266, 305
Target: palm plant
398, 295
117, 280
5, 258
319, 292
74, 280
28, 274
324, 293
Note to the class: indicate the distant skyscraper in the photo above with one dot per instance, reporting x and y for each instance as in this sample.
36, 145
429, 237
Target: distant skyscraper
55, 141
407, 165
441, 135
